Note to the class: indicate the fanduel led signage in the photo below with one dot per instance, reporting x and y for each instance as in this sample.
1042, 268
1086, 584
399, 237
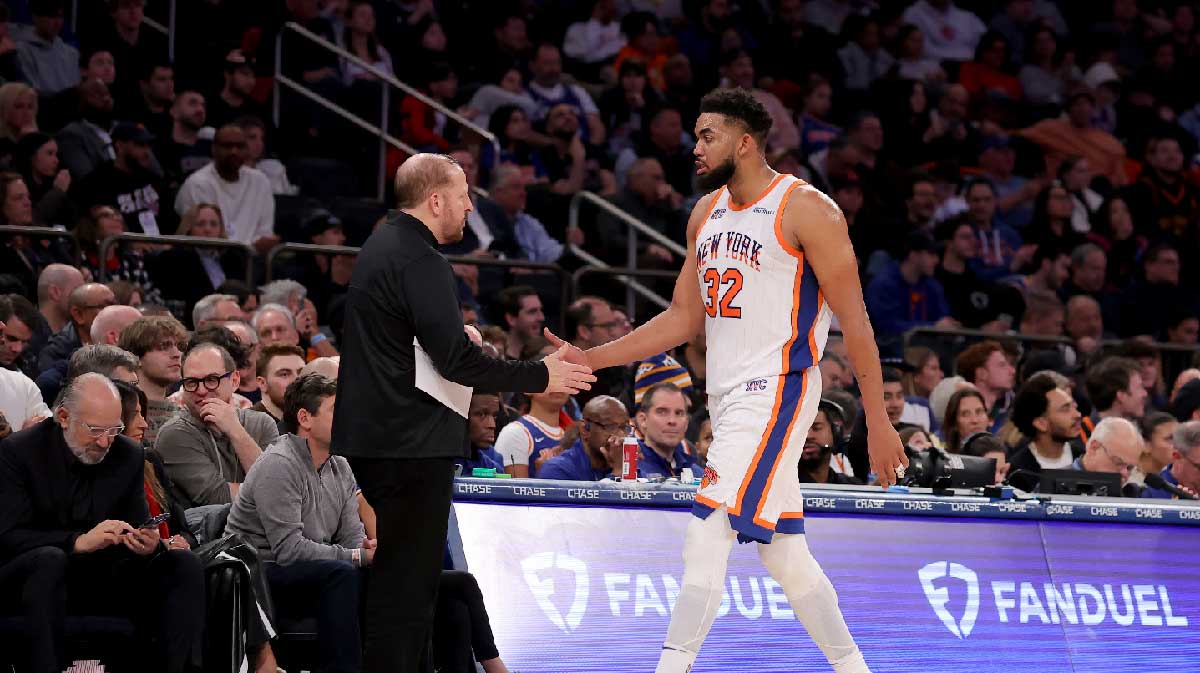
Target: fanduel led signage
575, 589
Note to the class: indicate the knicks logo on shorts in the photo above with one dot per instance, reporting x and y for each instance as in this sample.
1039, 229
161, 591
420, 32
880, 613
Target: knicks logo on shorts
710, 478
756, 386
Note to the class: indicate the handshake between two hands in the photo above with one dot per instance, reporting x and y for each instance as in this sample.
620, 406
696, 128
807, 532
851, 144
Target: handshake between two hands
569, 367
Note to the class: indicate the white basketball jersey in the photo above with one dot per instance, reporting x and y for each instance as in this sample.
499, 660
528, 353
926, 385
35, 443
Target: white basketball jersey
766, 315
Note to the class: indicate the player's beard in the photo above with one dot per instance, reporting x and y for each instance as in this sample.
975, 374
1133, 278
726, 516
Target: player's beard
717, 176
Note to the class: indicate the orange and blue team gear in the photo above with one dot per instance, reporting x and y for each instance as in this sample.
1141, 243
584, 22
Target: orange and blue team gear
661, 368
762, 379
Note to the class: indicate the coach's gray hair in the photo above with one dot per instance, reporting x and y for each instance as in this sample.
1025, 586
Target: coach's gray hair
1187, 436
1114, 425
281, 292
73, 392
102, 359
266, 308
206, 308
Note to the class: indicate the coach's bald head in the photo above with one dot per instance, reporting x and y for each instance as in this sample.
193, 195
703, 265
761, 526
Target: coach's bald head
433, 189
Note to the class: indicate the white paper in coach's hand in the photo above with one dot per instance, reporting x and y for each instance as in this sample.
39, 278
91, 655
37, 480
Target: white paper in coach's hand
453, 395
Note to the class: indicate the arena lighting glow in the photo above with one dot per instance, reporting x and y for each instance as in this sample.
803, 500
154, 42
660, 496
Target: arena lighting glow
575, 589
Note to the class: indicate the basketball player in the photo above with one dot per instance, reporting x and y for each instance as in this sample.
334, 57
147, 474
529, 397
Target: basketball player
769, 263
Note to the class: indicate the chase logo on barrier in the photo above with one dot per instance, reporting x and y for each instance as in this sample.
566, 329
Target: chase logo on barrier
939, 597
543, 588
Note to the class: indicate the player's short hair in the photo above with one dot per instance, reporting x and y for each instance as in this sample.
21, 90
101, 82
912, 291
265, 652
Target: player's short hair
742, 107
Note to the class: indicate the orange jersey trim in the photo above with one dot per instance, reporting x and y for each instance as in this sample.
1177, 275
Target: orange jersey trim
735, 207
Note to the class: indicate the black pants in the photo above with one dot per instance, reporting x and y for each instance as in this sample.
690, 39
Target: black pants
462, 625
163, 596
411, 499
329, 591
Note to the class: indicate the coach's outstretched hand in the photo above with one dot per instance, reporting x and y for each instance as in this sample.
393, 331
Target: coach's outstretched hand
565, 376
573, 352
886, 452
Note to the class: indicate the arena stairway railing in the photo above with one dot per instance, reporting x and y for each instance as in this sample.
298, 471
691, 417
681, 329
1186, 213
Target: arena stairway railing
634, 228
381, 130
7, 231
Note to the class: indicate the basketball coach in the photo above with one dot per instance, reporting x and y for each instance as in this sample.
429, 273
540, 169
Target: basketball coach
400, 418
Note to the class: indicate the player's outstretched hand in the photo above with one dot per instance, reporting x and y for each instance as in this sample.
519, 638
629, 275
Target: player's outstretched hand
567, 377
886, 452
573, 353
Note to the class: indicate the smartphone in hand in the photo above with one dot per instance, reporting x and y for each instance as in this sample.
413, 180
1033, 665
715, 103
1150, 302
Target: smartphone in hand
153, 521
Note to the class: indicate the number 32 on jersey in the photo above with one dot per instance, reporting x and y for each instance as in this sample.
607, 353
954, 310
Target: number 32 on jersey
721, 292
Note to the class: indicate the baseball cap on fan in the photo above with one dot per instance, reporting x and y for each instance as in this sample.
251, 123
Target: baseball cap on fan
129, 132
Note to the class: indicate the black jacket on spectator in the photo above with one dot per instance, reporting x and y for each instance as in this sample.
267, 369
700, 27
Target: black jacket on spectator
180, 276
404, 290
60, 347
1022, 458
975, 302
49, 498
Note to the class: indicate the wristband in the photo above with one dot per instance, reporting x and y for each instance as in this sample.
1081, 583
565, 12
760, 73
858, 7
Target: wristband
317, 338
356, 557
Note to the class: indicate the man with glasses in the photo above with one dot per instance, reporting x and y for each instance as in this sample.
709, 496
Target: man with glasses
596, 454
209, 448
84, 304
1184, 470
157, 342
592, 322
72, 539
1114, 446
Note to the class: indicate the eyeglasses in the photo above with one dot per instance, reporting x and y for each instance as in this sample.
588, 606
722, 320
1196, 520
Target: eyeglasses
211, 382
98, 432
1120, 464
610, 428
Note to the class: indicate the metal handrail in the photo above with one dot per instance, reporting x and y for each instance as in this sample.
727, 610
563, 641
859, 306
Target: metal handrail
186, 241
44, 232
597, 265
391, 79
634, 223
311, 248
168, 30
634, 227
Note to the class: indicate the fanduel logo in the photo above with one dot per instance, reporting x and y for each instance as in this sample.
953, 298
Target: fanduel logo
939, 597
543, 589
1067, 603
